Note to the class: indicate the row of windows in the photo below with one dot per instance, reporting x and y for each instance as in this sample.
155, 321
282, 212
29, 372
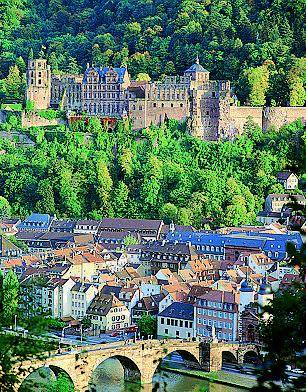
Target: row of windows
219, 324
176, 323
115, 310
270, 254
209, 312
210, 248
177, 333
108, 79
78, 304
102, 87
164, 257
218, 305
167, 96
220, 335
118, 318
78, 312
78, 296
101, 95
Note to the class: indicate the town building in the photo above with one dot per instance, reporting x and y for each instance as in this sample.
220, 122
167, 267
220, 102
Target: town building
277, 201
148, 229
176, 321
36, 222
9, 226
146, 306
81, 296
39, 241
217, 310
288, 179
107, 313
162, 254
8, 248
268, 217
216, 246
56, 297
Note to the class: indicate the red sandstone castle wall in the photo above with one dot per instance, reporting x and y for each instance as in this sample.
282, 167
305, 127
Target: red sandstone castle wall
279, 116
240, 114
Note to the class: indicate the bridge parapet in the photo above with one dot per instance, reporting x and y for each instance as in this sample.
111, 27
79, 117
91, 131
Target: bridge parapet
139, 359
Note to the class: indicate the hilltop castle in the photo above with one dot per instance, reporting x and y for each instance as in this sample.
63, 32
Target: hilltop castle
109, 93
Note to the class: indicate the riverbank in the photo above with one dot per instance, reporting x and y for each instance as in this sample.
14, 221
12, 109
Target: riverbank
221, 377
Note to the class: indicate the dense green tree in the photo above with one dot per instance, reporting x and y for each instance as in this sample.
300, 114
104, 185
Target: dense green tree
296, 82
46, 197
130, 240
169, 213
258, 84
147, 325
5, 208
161, 172
13, 85
9, 296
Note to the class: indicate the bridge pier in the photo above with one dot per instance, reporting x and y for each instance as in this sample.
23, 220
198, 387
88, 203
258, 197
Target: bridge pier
139, 360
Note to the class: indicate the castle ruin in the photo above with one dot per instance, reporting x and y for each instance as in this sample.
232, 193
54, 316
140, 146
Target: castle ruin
109, 93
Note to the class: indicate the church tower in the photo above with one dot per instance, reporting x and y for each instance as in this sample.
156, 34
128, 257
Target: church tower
39, 83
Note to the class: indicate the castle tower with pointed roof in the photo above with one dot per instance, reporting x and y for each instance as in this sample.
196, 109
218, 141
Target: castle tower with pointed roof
209, 104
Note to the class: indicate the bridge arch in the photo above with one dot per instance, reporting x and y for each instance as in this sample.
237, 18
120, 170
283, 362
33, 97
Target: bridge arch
190, 359
38, 378
229, 357
131, 371
251, 356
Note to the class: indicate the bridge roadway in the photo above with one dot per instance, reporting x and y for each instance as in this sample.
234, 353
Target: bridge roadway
139, 359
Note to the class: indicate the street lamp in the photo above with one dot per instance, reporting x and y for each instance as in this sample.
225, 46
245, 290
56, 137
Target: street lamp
63, 331
81, 330
62, 336
15, 322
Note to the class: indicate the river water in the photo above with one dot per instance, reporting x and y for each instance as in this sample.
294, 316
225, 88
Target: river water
109, 378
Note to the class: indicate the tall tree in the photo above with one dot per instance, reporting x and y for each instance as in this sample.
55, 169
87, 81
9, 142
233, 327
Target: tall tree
9, 295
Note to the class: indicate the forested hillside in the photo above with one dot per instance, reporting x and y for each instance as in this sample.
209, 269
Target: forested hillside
258, 44
157, 173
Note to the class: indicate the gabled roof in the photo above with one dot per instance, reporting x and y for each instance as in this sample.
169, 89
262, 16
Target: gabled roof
7, 246
103, 71
284, 175
219, 296
102, 303
81, 287
114, 290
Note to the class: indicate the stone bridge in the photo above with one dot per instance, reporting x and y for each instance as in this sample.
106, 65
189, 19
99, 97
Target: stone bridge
139, 359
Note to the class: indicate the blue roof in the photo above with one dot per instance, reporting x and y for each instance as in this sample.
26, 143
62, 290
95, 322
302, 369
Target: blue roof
196, 68
102, 72
265, 289
274, 245
37, 221
245, 287
178, 310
